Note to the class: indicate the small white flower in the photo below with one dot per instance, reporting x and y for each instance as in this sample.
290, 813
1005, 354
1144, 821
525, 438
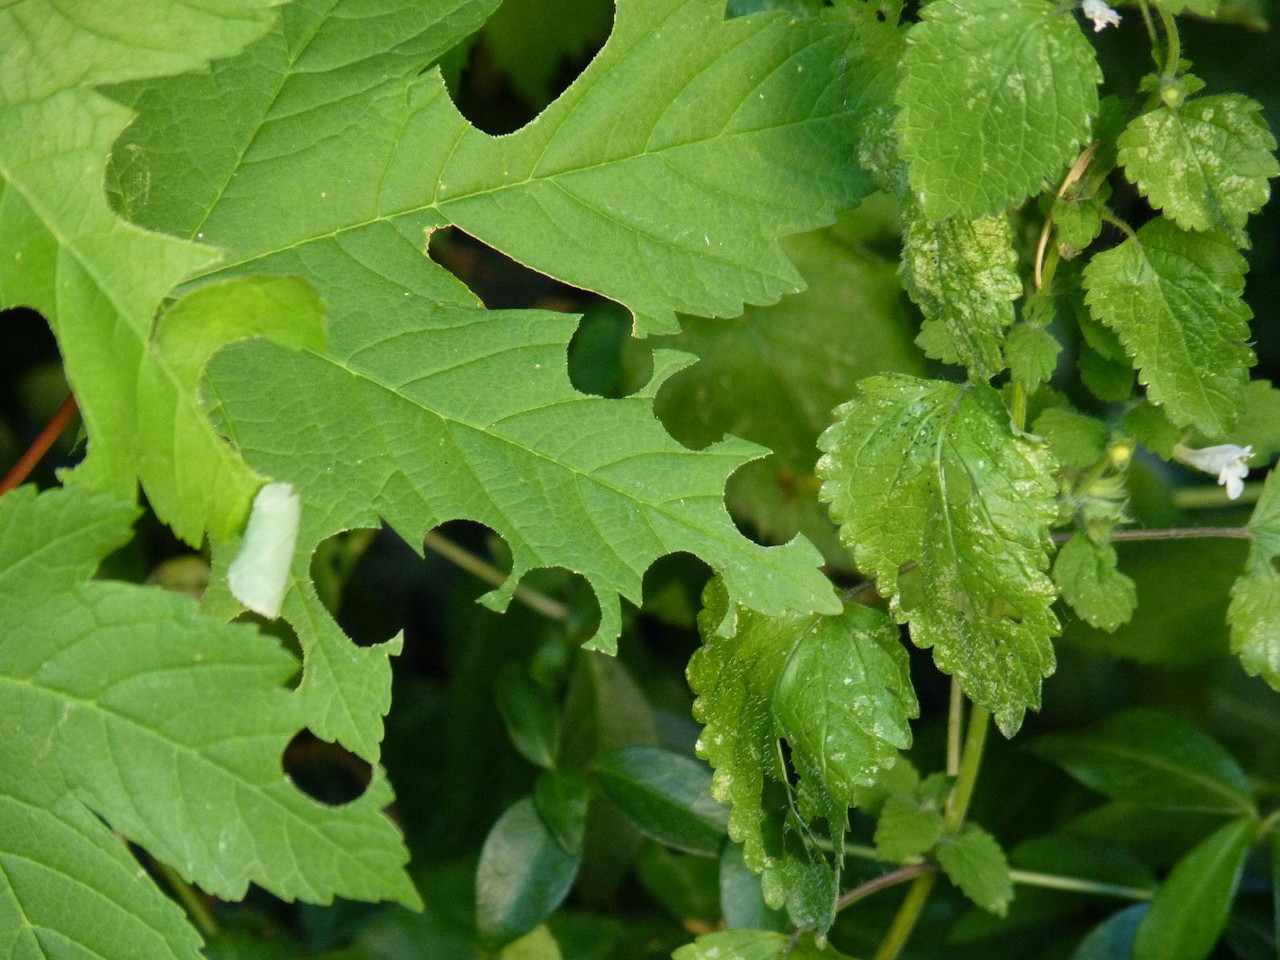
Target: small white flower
1101, 15
1227, 460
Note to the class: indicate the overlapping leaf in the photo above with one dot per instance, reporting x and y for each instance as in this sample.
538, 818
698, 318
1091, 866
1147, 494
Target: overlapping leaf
1205, 164
836, 689
98, 280
1254, 614
963, 276
170, 726
949, 508
975, 125
662, 178
1085, 571
1174, 300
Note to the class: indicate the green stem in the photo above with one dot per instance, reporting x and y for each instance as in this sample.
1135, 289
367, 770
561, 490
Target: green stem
1119, 224
962, 793
883, 882
1151, 32
1215, 498
1053, 881
955, 721
905, 920
468, 561
1174, 49
190, 899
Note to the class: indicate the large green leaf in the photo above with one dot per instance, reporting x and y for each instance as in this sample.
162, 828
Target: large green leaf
98, 280
1205, 163
974, 124
662, 178
1174, 300
1254, 614
332, 154
127, 703
950, 508
1189, 911
1152, 758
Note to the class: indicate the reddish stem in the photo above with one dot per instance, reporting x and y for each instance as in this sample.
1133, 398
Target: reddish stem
53, 429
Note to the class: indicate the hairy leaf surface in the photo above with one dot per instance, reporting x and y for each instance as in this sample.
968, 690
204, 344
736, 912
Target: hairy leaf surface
963, 276
1085, 572
170, 726
974, 124
1174, 300
975, 862
1254, 614
1205, 164
835, 688
950, 509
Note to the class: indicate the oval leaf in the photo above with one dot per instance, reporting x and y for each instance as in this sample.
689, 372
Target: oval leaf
666, 796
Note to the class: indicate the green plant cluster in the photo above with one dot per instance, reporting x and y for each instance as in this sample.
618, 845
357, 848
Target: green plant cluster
856, 365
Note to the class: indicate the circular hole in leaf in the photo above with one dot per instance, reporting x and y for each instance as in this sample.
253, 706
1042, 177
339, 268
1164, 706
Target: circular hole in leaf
325, 771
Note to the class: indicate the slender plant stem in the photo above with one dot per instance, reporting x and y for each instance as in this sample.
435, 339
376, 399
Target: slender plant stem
962, 793
883, 882
1173, 533
905, 920
52, 430
1151, 32
955, 722
1215, 498
1119, 224
1173, 44
190, 899
1053, 881
468, 561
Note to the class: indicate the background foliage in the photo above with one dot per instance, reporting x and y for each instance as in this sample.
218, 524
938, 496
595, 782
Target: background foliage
667, 245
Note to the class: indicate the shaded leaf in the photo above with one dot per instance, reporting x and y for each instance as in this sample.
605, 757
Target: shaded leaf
753, 945
1188, 913
530, 714
1152, 758
561, 798
523, 875
1076, 441
1113, 938
665, 795
906, 828
932, 475
741, 899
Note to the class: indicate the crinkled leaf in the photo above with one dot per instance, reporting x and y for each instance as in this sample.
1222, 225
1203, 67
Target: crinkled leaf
662, 178
665, 795
1076, 441
170, 726
1190, 909
1205, 164
754, 945
1254, 613
1174, 300
906, 828
1153, 758
973, 125
523, 875
963, 276
974, 862
932, 475
1085, 572
99, 281
773, 376
750, 696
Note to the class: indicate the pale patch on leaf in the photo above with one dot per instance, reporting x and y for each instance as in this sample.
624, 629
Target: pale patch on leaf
949, 507
259, 575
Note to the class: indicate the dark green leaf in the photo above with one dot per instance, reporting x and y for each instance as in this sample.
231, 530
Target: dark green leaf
1113, 938
974, 862
523, 875
603, 710
1188, 913
561, 798
666, 796
1152, 758
741, 900
753, 945
530, 713
684, 884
